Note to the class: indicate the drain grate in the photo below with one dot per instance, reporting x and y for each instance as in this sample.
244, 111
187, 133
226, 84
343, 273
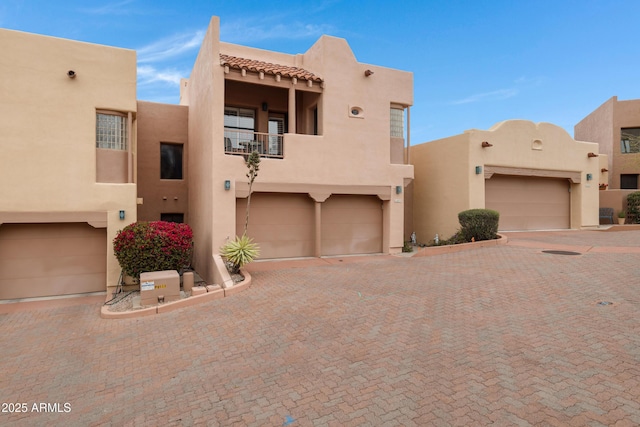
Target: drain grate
561, 252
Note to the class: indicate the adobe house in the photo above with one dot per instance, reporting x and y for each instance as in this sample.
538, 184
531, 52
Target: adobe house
615, 126
67, 138
331, 135
534, 174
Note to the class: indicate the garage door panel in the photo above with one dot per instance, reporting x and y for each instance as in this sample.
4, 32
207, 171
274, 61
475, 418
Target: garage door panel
45, 286
51, 259
351, 225
282, 224
529, 203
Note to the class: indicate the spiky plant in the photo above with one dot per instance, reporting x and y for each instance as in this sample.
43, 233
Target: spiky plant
239, 252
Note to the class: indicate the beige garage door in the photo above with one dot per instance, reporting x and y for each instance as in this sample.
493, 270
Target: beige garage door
351, 225
51, 259
529, 203
282, 224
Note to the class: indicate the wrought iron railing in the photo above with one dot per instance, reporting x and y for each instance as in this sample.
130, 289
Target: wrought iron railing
237, 141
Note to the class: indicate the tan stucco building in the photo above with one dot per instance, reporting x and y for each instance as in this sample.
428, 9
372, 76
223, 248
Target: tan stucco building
615, 126
535, 175
67, 163
81, 158
331, 134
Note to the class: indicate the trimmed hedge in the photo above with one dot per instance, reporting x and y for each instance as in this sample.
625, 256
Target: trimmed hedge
153, 246
633, 206
479, 224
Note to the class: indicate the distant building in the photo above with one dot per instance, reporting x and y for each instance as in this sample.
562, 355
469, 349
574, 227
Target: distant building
534, 174
615, 126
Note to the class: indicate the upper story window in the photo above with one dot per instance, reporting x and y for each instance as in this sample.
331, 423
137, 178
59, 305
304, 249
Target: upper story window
630, 140
111, 131
239, 127
171, 161
397, 123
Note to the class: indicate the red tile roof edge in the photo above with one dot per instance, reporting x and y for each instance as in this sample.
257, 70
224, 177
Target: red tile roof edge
267, 68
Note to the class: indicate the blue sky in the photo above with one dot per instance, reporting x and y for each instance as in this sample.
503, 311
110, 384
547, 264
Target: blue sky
475, 63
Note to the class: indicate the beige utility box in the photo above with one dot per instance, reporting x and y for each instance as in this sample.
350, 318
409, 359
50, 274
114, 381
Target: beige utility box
159, 284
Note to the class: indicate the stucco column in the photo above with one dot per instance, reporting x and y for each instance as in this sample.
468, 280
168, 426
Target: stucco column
318, 230
292, 109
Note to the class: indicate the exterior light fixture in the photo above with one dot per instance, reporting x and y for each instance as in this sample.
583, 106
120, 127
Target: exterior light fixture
589, 177
398, 189
227, 185
485, 144
603, 170
71, 74
121, 214
265, 106
592, 155
368, 73
478, 170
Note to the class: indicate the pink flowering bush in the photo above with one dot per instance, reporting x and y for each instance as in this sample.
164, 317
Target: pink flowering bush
153, 246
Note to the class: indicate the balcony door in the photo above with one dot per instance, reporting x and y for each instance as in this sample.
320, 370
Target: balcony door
276, 132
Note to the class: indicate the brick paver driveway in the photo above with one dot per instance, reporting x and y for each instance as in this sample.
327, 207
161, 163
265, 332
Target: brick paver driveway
505, 335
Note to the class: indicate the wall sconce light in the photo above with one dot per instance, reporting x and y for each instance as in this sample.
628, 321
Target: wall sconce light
592, 155
485, 144
227, 185
121, 214
398, 189
71, 74
265, 106
478, 170
589, 177
603, 170
368, 73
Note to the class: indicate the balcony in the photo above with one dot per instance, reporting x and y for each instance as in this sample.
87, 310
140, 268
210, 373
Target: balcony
240, 142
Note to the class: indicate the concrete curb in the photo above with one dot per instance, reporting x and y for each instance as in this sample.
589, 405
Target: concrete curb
439, 250
212, 293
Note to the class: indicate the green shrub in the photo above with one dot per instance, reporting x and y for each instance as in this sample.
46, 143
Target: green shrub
239, 252
407, 247
633, 206
153, 246
478, 224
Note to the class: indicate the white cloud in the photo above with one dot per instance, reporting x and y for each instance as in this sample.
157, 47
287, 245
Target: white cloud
170, 47
110, 8
249, 30
488, 96
149, 75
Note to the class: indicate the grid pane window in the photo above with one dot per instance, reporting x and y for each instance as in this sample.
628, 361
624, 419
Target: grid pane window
397, 123
239, 124
630, 140
111, 131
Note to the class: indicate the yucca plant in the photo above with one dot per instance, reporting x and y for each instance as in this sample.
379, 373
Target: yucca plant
239, 252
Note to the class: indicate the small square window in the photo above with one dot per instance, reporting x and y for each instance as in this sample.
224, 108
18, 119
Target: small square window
170, 161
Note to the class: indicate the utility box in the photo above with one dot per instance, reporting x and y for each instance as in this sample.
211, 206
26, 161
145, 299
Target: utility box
159, 286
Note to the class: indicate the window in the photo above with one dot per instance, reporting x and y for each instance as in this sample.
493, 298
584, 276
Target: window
629, 181
172, 217
630, 140
111, 131
239, 125
170, 161
397, 123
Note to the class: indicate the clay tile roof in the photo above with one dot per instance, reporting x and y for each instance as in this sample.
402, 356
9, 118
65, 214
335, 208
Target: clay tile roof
267, 68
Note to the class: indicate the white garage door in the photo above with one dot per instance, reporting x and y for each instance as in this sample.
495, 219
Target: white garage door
281, 223
39, 260
529, 203
351, 225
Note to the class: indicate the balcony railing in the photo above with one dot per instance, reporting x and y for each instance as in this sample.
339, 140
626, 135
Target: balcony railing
244, 142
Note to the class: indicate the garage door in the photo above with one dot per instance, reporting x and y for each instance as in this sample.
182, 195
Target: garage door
529, 203
282, 224
351, 225
39, 260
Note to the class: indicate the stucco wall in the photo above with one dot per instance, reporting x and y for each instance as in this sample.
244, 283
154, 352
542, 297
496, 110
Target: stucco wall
598, 127
48, 123
446, 182
158, 123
